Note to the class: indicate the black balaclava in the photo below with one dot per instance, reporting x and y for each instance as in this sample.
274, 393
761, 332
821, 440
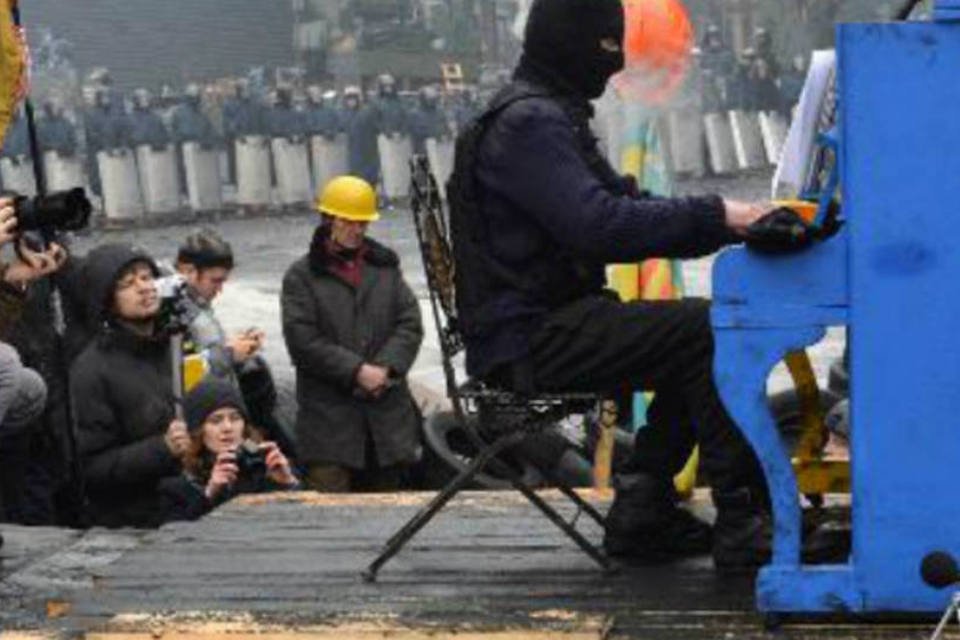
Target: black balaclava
563, 38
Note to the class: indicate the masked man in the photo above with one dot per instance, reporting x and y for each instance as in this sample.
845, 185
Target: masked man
536, 213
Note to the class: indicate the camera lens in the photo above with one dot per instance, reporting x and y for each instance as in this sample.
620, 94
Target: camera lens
60, 211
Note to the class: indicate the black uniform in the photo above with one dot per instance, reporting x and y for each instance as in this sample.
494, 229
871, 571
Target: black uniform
548, 213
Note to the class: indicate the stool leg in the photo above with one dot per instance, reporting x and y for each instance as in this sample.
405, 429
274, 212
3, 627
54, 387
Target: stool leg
426, 514
552, 515
588, 508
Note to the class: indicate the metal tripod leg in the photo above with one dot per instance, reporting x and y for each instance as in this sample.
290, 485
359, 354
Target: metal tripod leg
558, 520
582, 504
426, 514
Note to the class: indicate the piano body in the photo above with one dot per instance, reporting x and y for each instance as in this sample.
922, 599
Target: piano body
892, 277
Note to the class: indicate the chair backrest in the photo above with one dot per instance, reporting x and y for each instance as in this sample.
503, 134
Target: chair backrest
433, 238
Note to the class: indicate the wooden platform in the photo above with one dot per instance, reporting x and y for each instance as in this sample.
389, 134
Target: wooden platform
490, 566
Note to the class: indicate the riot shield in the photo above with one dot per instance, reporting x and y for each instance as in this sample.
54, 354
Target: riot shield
747, 141
120, 185
723, 156
293, 171
253, 171
329, 159
63, 172
395, 155
773, 128
17, 174
159, 179
202, 167
440, 157
685, 138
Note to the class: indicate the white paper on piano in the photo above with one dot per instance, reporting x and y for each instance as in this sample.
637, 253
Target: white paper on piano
798, 150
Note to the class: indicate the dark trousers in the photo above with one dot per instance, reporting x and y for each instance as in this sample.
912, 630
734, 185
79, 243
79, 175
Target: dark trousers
599, 344
373, 478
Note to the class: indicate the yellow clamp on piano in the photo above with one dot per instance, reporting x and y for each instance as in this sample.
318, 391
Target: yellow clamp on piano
816, 473
804, 208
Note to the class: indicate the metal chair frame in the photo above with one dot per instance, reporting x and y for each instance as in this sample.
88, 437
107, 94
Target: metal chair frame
505, 418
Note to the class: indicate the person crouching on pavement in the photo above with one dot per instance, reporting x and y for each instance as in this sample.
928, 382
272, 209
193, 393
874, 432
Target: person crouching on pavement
352, 327
121, 384
23, 393
225, 457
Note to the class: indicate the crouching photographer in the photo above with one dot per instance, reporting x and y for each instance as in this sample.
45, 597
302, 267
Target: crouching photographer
23, 392
122, 388
225, 457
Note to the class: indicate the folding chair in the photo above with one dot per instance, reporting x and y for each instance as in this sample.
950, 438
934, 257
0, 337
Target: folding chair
502, 419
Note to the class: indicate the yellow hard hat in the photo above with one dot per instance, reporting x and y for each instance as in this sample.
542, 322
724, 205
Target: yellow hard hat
350, 198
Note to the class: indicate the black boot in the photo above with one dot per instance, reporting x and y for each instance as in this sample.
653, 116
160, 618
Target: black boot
743, 532
645, 523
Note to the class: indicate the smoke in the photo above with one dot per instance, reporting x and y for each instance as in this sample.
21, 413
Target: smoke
54, 77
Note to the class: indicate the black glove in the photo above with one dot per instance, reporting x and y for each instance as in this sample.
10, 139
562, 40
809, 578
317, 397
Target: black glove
782, 231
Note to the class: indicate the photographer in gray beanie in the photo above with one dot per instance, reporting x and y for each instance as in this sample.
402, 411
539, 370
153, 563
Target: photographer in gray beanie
225, 458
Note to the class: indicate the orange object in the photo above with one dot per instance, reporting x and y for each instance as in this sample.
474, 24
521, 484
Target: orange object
803, 208
658, 44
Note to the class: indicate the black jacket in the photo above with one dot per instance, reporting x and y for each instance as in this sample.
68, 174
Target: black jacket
123, 400
183, 497
551, 213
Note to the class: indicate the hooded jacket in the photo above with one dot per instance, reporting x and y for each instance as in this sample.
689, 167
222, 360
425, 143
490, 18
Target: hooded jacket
123, 402
548, 211
331, 328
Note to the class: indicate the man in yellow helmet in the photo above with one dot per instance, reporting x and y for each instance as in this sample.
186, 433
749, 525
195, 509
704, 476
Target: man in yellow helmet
352, 327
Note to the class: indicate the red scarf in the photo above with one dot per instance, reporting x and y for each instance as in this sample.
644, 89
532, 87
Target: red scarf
344, 263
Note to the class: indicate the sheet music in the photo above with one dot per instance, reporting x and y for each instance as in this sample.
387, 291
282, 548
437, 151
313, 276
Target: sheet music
798, 150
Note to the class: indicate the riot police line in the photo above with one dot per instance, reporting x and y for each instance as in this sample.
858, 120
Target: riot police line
145, 184
723, 143
148, 159
696, 144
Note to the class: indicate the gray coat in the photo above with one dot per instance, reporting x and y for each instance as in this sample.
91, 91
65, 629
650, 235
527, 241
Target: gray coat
331, 328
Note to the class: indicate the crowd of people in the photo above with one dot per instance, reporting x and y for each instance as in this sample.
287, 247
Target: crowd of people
138, 444
110, 121
751, 80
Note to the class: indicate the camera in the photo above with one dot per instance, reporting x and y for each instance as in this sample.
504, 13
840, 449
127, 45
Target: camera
250, 459
176, 311
59, 211
172, 287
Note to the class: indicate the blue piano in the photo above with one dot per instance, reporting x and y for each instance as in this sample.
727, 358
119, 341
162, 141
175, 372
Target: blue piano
892, 277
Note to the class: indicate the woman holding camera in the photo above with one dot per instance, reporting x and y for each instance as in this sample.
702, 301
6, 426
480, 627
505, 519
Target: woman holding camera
224, 458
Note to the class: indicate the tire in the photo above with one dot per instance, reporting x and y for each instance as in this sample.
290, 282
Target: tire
448, 451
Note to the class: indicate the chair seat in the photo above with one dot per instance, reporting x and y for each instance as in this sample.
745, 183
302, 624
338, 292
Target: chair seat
480, 391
